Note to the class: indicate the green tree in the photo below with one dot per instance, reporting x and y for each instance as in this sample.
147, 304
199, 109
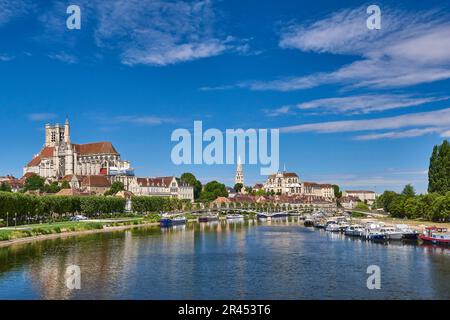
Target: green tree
337, 191
409, 191
116, 186
5, 186
439, 169
385, 200
34, 182
190, 179
213, 190
238, 187
65, 185
52, 188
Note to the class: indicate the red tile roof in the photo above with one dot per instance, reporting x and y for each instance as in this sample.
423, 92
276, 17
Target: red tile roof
96, 181
46, 152
359, 191
95, 148
155, 182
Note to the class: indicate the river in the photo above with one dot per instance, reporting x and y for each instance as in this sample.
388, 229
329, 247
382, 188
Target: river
242, 260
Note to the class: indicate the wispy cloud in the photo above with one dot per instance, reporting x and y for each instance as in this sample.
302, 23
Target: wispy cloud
160, 32
395, 56
397, 134
357, 104
419, 123
10, 9
41, 116
142, 120
6, 57
63, 57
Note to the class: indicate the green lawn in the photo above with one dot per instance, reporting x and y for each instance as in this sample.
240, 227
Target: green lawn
70, 226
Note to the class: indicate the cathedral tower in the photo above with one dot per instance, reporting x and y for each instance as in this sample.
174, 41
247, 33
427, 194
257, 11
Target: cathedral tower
239, 177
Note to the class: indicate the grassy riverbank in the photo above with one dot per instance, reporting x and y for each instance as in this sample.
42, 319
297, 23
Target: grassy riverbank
414, 223
33, 230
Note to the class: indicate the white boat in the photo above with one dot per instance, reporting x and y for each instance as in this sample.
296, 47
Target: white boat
354, 230
391, 233
333, 227
235, 216
408, 233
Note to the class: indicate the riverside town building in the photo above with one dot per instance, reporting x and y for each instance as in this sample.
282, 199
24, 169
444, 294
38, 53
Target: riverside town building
92, 167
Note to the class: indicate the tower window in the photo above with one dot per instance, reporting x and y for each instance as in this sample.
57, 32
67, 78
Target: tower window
53, 136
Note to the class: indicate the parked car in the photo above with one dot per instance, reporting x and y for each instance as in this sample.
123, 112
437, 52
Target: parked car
78, 217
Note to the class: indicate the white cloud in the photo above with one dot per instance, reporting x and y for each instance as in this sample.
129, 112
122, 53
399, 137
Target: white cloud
397, 134
436, 119
142, 120
358, 104
160, 32
445, 134
6, 57
10, 9
63, 57
410, 49
41, 116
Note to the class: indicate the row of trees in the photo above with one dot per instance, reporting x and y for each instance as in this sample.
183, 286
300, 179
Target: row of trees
432, 206
439, 169
25, 206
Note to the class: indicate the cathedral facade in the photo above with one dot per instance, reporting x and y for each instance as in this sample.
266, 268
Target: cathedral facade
60, 157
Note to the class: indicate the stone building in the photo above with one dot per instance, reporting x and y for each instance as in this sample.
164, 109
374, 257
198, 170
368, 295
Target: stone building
60, 157
366, 196
163, 187
288, 183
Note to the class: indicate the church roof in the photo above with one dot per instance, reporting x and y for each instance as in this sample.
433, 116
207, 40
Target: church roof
95, 148
95, 181
155, 182
284, 175
46, 152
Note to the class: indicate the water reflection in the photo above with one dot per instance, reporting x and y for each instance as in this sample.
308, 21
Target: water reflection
232, 259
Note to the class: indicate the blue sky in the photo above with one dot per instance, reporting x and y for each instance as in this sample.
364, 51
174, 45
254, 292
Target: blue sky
357, 107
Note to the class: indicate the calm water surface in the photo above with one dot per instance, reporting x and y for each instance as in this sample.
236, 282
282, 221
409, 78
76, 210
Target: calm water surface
251, 260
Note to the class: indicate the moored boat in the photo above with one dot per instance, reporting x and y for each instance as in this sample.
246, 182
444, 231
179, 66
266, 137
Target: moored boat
308, 223
208, 218
166, 222
408, 233
391, 233
235, 216
333, 227
436, 235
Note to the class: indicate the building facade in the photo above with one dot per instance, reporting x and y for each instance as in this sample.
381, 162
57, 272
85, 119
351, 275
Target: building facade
366, 196
60, 157
289, 183
171, 187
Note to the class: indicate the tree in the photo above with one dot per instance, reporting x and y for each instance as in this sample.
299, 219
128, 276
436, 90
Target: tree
190, 179
65, 185
409, 191
385, 200
116, 186
5, 186
213, 190
439, 169
34, 182
337, 192
52, 188
238, 187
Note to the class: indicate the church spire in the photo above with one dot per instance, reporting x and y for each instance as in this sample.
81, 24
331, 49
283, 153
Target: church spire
239, 177
67, 130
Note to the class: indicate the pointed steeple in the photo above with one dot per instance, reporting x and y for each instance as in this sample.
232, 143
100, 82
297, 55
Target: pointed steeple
67, 130
239, 177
